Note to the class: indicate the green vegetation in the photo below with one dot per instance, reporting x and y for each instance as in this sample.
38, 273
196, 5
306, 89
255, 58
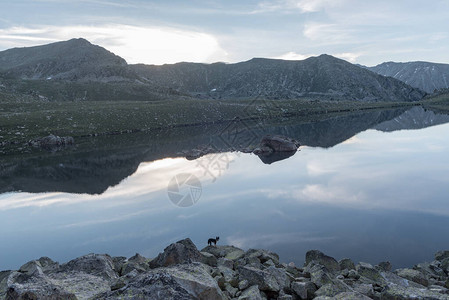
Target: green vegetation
25, 120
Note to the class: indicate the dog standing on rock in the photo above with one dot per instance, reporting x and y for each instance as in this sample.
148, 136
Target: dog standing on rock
213, 241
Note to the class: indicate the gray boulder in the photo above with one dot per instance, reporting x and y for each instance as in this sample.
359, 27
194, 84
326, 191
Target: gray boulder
229, 252
364, 288
252, 293
431, 270
368, 271
47, 264
333, 288
118, 262
265, 280
209, 259
440, 255
396, 292
37, 286
384, 266
350, 296
100, 265
177, 253
136, 262
262, 255
4, 275
319, 257
304, 290
81, 284
413, 275
281, 276
186, 281
392, 278
319, 275
346, 263
32, 268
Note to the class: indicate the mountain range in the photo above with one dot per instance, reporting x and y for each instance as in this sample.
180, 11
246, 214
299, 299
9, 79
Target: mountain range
79, 70
425, 76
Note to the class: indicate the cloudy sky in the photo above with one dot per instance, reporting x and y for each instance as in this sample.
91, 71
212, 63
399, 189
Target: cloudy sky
157, 32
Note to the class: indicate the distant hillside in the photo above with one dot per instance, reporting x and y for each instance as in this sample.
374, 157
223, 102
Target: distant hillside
73, 70
76, 59
79, 70
422, 75
321, 77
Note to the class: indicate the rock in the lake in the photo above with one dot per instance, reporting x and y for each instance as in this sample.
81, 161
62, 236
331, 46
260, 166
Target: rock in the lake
277, 143
177, 253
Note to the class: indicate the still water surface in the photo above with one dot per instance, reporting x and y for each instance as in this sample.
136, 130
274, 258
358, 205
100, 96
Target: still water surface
379, 195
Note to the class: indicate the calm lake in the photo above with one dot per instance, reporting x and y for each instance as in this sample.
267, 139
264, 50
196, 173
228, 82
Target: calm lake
371, 187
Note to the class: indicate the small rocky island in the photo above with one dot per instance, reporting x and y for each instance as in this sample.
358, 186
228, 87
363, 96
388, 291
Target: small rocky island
222, 272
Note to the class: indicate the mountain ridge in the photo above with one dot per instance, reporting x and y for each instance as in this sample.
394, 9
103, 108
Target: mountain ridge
79, 61
427, 76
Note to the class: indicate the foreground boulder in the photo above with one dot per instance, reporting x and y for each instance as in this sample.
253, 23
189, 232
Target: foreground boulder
222, 272
185, 281
177, 253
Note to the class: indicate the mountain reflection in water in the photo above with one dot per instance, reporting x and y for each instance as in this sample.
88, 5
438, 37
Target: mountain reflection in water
99, 163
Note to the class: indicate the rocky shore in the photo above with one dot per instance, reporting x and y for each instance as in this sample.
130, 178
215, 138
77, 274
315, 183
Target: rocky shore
181, 271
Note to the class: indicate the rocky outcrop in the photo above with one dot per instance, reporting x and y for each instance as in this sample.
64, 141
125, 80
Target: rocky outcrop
177, 253
223, 272
52, 141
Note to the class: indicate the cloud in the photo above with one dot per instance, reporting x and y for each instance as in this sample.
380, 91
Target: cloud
292, 6
294, 56
150, 45
348, 56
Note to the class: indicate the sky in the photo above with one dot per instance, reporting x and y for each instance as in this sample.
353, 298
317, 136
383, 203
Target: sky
157, 32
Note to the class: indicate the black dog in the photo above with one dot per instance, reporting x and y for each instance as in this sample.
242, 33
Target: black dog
213, 241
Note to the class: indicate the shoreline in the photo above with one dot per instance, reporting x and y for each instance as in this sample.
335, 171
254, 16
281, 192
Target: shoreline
182, 271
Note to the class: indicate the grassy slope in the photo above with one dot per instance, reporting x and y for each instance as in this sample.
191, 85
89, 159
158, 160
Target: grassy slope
22, 121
